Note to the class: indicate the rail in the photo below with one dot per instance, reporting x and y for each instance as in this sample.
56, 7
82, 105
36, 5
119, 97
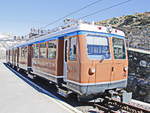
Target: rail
119, 106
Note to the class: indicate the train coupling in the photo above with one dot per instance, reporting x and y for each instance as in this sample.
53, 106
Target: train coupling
120, 95
126, 97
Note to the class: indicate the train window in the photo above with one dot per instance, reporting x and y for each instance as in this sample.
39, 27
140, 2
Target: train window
119, 48
43, 50
23, 52
73, 47
51, 50
97, 47
35, 51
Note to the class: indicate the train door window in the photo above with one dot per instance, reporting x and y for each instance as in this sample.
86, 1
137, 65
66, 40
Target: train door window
97, 47
52, 49
119, 48
43, 50
35, 51
23, 52
73, 48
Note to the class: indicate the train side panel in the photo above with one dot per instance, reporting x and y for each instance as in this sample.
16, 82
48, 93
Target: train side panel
47, 60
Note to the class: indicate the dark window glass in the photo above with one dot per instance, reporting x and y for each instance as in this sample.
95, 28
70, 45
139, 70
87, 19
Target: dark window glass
73, 48
119, 48
66, 44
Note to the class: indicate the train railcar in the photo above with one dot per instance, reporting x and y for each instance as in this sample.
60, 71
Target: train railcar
84, 58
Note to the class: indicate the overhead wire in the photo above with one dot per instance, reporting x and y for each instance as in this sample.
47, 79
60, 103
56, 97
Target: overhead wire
74, 12
86, 6
104, 9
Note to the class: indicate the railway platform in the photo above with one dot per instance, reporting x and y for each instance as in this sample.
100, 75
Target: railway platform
16, 96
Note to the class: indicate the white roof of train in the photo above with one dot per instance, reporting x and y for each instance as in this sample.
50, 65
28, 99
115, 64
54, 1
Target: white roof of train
72, 28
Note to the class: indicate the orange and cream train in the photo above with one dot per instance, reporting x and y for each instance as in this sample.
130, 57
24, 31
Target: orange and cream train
86, 59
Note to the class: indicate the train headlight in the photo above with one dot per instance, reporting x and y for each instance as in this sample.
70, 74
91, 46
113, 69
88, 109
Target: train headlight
92, 71
125, 69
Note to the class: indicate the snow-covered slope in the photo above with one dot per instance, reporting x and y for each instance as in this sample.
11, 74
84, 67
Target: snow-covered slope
5, 42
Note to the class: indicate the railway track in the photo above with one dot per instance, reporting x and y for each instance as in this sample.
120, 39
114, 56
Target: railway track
128, 107
114, 106
108, 106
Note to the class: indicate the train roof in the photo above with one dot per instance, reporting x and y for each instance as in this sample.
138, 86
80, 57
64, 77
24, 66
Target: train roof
71, 30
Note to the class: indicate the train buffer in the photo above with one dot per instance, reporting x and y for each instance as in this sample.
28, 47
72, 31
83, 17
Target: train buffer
16, 96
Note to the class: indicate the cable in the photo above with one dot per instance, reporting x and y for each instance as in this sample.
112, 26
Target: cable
104, 9
76, 11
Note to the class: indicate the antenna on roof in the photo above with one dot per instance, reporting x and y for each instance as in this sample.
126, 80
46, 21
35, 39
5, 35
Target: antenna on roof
72, 21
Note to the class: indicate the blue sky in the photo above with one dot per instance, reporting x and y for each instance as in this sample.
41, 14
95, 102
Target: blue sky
18, 16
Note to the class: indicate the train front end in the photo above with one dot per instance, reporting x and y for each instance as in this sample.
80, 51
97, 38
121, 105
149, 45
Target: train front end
102, 62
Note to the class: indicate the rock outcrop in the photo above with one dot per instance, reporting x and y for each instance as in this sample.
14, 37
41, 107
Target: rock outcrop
136, 28
139, 75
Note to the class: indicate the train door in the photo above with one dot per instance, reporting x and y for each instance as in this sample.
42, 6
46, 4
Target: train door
119, 59
29, 57
66, 41
16, 56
